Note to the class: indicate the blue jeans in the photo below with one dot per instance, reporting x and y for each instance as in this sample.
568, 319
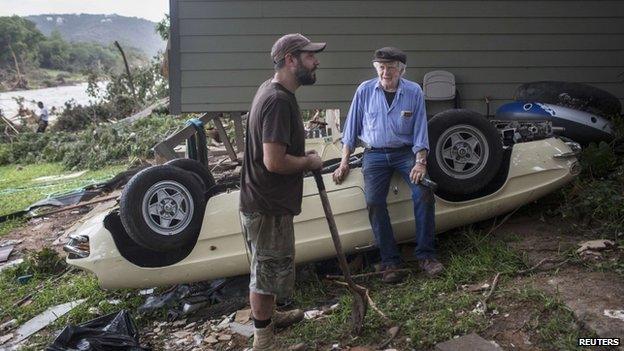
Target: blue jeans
378, 167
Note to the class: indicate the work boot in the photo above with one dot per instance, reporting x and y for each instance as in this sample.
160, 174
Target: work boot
390, 277
287, 318
264, 339
431, 266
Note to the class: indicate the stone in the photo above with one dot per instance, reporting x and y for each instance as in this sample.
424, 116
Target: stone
224, 337
242, 316
599, 244
588, 295
471, 342
245, 330
179, 323
211, 340
8, 325
181, 334
5, 338
302, 346
190, 325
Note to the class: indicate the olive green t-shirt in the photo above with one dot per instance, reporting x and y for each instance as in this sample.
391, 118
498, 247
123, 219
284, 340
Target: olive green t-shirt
274, 117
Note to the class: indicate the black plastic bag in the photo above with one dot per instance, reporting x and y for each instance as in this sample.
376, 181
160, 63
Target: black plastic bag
115, 331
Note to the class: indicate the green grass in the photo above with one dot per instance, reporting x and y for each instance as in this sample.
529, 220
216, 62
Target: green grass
551, 321
18, 188
48, 290
430, 310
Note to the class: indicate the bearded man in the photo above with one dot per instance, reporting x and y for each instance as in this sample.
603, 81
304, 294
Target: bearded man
272, 182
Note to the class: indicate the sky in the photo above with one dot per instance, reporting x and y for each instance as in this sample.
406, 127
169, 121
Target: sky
153, 10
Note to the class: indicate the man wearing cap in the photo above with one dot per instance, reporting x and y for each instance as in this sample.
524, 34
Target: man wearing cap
272, 182
387, 116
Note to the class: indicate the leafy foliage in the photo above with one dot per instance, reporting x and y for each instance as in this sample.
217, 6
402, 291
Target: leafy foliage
162, 27
78, 117
149, 85
32, 50
93, 147
597, 196
19, 36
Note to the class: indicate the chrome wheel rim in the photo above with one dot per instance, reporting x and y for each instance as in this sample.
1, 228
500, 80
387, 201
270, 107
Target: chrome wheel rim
462, 151
167, 207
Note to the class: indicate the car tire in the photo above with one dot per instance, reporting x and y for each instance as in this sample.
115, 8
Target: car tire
465, 151
162, 208
578, 96
200, 171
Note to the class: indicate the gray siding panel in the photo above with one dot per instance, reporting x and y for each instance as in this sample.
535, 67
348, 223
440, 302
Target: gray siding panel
253, 78
429, 42
434, 60
491, 46
415, 9
362, 26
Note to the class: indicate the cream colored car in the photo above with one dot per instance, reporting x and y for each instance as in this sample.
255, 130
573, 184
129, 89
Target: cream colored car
527, 171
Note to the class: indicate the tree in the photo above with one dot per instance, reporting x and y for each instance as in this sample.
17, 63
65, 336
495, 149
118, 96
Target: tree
55, 52
19, 43
162, 27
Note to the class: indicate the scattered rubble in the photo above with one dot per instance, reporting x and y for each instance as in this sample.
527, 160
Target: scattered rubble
44, 319
599, 244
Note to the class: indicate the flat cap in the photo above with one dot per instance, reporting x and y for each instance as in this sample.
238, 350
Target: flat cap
290, 43
389, 54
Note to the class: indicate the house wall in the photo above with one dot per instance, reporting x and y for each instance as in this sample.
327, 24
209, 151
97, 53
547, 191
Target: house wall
220, 49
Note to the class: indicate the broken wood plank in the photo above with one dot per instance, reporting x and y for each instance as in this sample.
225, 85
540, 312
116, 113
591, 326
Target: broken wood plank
223, 134
5, 252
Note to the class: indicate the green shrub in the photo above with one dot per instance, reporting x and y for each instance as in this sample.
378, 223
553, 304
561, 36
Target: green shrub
91, 148
78, 117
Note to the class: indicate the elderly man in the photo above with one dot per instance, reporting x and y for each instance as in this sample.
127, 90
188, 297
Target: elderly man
387, 116
272, 182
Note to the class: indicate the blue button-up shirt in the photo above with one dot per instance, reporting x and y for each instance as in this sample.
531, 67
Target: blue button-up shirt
371, 120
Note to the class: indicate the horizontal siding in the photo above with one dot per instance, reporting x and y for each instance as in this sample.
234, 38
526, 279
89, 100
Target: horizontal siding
414, 9
362, 26
317, 93
438, 59
491, 46
429, 42
253, 78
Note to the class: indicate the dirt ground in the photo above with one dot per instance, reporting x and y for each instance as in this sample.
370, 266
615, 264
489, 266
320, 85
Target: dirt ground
587, 291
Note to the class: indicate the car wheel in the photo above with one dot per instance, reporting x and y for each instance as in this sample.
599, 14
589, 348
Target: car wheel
578, 96
465, 151
200, 171
162, 208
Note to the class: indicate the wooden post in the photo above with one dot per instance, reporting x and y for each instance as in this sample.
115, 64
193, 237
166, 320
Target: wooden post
238, 129
223, 134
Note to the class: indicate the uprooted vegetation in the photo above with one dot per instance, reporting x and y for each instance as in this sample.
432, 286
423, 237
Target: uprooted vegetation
93, 147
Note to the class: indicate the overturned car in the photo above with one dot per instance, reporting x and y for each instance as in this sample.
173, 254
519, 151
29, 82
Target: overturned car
173, 224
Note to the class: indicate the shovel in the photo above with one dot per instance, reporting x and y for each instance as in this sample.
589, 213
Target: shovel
360, 301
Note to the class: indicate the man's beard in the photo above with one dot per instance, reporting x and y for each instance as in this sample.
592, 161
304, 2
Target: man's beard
304, 75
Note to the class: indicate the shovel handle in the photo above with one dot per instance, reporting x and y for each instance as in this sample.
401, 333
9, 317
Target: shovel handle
342, 259
318, 177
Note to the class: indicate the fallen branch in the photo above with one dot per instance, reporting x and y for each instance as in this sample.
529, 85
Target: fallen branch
558, 264
393, 328
505, 219
76, 206
370, 301
329, 276
489, 294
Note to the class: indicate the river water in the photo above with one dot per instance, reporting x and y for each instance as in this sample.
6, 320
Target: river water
49, 96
